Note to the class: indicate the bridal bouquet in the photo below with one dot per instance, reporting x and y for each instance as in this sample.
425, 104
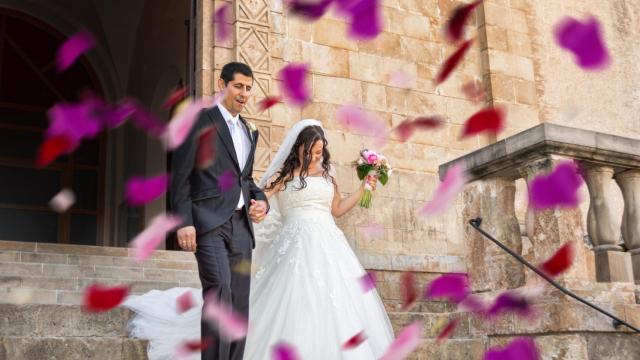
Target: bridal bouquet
371, 163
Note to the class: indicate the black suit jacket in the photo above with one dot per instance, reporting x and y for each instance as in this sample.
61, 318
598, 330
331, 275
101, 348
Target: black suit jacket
195, 193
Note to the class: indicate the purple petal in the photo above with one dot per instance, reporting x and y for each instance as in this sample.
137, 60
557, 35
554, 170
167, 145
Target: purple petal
73, 48
365, 19
406, 342
148, 240
140, 191
368, 281
284, 351
454, 287
520, 348
294, 85
227, 180
584, 40
509, 302
560, 188
222, 23
144, 120
312, 10
74, 121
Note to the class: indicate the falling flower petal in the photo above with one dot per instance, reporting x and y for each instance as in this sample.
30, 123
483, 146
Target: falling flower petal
148, 240
144, 120
184, 302
53, 147
355, 341
452, 62
408, 127
309, 9
140, 191
408, 289
560, 188
365, 19
227, 180
447, 331
454, 287
74, 121
231, 325
73, 48
294, 83
372, 230
222, 22
584, 40
490, 120
520, 349
510, 302
205, 151
243, 267
180, 126
176, 96
368, 281
445, 194
560, 261
454, 28
63, 200
472, 303
399, 79
99, 298
474, 92
355, 119
268, 102
189, 348
407, 341
284, 351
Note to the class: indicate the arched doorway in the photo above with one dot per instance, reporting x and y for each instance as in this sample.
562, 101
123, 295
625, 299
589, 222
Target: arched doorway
29, 86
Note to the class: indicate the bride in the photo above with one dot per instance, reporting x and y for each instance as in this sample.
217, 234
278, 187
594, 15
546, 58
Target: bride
305, 291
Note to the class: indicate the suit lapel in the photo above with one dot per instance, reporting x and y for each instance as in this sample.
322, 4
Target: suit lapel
225, 135
253, 138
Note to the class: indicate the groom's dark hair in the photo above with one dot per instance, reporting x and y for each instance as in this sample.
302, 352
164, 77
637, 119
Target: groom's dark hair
230, 70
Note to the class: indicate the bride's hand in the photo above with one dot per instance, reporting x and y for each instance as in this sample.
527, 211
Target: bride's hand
372, 180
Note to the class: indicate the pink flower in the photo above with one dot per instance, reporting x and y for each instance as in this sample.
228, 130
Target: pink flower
372, 158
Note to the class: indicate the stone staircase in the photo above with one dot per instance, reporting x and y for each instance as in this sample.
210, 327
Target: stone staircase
48, 279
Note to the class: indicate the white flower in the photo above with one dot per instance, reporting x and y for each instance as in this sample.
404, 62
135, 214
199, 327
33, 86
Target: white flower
252, 126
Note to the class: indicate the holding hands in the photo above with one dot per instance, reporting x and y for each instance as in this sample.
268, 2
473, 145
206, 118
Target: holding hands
258, 210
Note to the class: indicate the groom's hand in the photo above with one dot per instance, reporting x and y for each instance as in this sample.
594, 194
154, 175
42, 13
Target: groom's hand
257, 210
187, 238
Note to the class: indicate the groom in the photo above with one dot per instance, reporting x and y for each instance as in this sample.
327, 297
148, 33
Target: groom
217, 223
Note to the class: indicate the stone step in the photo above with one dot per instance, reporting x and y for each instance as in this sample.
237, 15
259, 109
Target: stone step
72, 348
451, 349
431, 323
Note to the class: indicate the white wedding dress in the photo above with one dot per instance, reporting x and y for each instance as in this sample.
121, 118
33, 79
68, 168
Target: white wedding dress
305, 290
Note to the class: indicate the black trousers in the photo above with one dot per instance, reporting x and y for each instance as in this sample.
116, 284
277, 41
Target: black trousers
219, 253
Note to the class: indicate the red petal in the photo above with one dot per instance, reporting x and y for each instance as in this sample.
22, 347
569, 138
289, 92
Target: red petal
355, 341
198, 345
405, 130
409, 293
51, 148
489, 120
455, 25
175, 97
447, 331
474, 92
98, 298
560, 261
184, 302
205, 152
268, 102
452, 62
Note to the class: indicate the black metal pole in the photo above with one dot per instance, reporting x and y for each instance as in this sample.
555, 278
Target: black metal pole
616, 321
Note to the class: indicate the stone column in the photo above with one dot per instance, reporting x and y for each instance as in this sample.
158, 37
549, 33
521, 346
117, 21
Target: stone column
629, 182
548, 230
611, 263
490, 267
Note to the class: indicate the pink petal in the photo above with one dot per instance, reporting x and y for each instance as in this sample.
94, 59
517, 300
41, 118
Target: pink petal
399, 79
447, 331
368, 281
185, 302
584, 40
73, 48
231, 325
372, 230
407, 341
294, 87
474, 92
355, 119
140, 191
445, 194
454, 28
63, 200
205, 152
560, 262
520, 349
354, 341
189, 348
489, 120
180, 126
454, 287
452, 61
222, 22
365, 19
560, 188
227, 180
175, 97
99, 298
284, 351
148, 240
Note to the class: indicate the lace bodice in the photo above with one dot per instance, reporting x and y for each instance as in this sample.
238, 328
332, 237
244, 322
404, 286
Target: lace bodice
315, 197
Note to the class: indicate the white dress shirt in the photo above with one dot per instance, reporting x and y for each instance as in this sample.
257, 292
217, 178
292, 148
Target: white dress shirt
241, 142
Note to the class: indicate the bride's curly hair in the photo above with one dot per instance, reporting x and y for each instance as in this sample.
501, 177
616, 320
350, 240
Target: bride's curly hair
307, 137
